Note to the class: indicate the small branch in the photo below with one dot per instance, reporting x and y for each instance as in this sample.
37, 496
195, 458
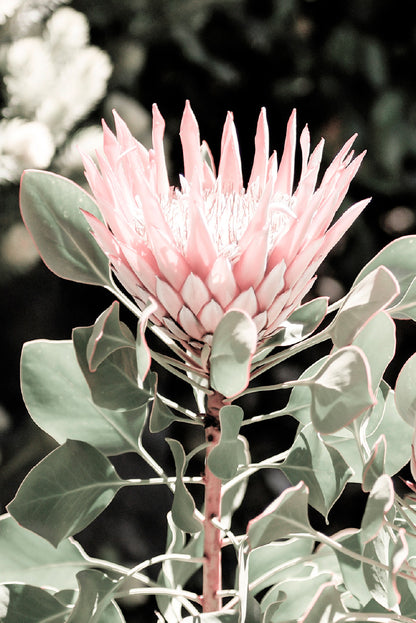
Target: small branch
273, 360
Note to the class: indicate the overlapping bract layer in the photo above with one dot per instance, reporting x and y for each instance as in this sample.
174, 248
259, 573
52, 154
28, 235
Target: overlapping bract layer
212, 245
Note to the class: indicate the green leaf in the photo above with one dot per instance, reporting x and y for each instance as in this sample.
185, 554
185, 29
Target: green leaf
50, 206
369, 296
95, 592
114, 384
65, 492
30, 604
406, 391
223, 460
107, 336
267, 563
406, 308
340, 390
58, 399
319, 466
28, 558
379, 502
286, 516
400, 258
233, 346
183, 507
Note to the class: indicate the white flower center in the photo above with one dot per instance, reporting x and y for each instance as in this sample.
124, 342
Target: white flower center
226, 215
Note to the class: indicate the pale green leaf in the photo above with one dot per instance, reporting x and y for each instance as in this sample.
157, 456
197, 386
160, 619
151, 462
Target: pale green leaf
114, 384
340, 390
351, 568
383, 420
379, 502
95, 591
28, 558
267, 563
143, 356
405, 394
107, 336
326, 606
223, 460
161, 416
176, 573
298, 595
65, 492
300, 324
214, 617
59, 400
183, 507
377, 340
375, 465
369, 296
50, 206
233, 494
31, 604
406, 308
286, 516
382, 582
233, 346
400, 258
319, 466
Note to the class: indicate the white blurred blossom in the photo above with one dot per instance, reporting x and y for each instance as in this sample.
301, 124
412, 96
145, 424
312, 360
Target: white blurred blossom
56, 78
18, 251
18, 17
7, 9
86, 141
23, 145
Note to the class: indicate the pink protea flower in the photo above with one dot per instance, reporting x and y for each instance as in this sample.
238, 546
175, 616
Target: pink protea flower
212, 245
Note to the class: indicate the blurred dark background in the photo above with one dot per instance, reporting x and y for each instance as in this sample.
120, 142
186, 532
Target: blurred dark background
347, 67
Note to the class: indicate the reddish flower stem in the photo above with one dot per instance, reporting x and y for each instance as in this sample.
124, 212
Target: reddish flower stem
212, 580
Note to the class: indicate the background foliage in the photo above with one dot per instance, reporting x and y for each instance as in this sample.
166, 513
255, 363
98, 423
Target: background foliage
346, 67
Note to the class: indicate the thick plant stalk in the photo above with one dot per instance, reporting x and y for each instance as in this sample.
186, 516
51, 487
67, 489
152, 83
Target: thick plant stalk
212, 580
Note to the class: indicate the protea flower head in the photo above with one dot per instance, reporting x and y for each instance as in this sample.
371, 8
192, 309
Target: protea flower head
212, 245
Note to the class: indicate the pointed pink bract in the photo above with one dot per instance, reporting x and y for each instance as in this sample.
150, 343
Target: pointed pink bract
210, 246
